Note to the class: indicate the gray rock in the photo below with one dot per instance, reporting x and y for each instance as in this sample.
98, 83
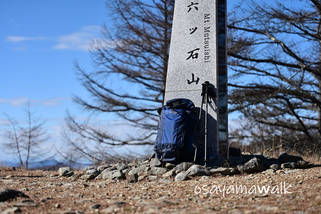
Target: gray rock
141, 177
88, 177
94, 172
252, 166
147, 169
113, 175
182, 167
169, 174
289, 165
121, 166
292, 171
222, 170
95, 206
269, 171
117, 175
152, 178
154, 162
302, 164
158, 170
234, 171
125, 171
110, 209
138, 170
111, 168
89, 168
164, 180
26, 204
182, 176
169, 165
285, 158
99, 177
132, 178
275, 167
102, 168
204, 178
6, 194
11, 210
65, 171
197, 170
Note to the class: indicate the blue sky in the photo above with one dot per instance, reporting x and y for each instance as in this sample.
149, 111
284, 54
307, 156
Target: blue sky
39, 41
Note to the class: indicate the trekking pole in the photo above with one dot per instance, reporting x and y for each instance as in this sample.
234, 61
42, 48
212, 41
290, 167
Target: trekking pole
206, 115
199, 124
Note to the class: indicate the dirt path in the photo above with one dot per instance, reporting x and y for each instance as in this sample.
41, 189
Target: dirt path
290, 191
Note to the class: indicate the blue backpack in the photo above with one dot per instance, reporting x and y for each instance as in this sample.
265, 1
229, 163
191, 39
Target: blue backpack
176, 131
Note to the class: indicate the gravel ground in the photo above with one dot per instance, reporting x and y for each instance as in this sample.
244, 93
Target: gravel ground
286, 191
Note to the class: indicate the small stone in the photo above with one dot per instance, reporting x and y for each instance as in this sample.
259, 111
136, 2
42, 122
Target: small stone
109, 169
25, 204
88, 177
132, 178
169, 165
221, 170
89, 168
302, 164
121, 166
182, 167
11, 210
110, 209
125, 171
138, 170
182, 176
168, 174
94, 172
152, 178
113, 175
65, 171
275, 167
164, 180
99, 177
102, 168
197, 170
154, 162
291, 171
141, 177
289, 165
204, 178
252, 166
58, 205
95, 206
270, 171
158, 170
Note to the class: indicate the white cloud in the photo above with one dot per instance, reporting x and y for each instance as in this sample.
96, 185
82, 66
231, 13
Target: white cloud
51, 102
21, 101
23, 38
79, 40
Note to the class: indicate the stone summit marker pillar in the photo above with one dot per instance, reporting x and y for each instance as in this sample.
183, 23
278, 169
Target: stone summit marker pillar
198, 54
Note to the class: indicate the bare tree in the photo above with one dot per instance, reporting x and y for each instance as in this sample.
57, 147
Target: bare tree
275, 61
128, 79
26, 141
